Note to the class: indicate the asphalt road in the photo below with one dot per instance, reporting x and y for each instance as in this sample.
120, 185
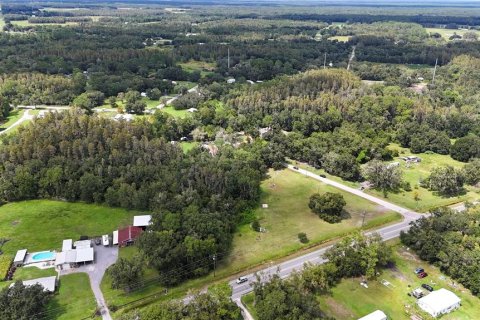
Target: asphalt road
284, 269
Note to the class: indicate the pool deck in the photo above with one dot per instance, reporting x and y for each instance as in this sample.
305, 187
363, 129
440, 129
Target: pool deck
29, 258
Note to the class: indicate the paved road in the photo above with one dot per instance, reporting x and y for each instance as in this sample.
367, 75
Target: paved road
284, 269
26, 116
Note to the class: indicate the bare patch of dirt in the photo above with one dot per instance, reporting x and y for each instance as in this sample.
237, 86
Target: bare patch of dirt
338, 309
397, 273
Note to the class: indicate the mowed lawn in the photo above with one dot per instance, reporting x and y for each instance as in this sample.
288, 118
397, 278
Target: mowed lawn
12, 118
287, 194
74, 298
447, 33
349, 300
413, 174
176, 113
43, 224
340, 38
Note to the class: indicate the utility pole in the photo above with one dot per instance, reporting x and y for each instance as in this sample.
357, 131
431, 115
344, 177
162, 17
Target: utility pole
325, 61
228, 50
214, 257
435, 71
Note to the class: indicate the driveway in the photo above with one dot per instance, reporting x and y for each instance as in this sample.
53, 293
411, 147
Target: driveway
26, 116
104, 258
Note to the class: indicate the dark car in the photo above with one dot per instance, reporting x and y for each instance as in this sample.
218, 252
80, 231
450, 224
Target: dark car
419, 270
422, 275
427, 287
323, 176
296, 168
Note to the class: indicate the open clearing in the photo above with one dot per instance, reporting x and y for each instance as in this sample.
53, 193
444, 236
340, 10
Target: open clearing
202, 66
12, 118
447, 33
413, 174
349, 300
340, 38
43, 224
287, 194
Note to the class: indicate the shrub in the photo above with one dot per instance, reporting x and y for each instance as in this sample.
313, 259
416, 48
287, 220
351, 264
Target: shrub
302, 236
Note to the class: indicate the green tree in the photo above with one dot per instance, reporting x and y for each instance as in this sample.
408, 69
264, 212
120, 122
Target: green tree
359, 255
471, 172
446, 180
23, 303
383, 176
125, 273
134, 103
328, 206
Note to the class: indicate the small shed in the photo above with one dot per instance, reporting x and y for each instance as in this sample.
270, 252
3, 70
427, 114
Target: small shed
142, 221
128, 235
375, 315
19, 257
439, 302
115, 237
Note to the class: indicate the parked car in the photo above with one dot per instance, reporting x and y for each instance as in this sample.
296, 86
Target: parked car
427, 287
323, 176
422, 275
296, 168
419, 270
242, 280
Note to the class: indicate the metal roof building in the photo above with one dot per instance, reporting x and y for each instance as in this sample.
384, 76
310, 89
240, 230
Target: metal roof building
375, 315
439, 302
48, 283
67, 244
142, 221
20, 257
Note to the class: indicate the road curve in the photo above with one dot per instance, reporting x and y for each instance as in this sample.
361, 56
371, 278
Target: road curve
284, 269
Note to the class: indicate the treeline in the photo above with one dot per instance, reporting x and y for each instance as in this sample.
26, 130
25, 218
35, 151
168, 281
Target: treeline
450, 241
197, 197
370, 18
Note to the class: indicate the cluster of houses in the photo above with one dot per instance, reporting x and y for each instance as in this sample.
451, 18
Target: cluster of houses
75, 253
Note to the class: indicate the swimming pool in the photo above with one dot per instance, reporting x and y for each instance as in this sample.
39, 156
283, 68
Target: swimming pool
47, 255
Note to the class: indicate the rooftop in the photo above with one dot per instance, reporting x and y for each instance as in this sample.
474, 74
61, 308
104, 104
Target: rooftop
48, 283
20, 256
439, 300
142, 221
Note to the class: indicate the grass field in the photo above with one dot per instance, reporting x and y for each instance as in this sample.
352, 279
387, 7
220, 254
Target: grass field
28, 273
188, 145
349, 300
2, 23
202, 66
25, 23
74, 298
287, 194
43, 224
14, 116
413, 174
176, 113
340, 38
447, 33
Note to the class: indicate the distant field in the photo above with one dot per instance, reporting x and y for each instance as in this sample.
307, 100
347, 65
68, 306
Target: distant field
340, 38
447, 33
287, 194
176, 113
43, 224
2, 23
202, 66
25, 23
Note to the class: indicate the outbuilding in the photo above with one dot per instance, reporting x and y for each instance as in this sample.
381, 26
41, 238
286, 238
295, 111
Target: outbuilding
128, 235
20, 257
375, 315
48, 283
439, 302
142, 221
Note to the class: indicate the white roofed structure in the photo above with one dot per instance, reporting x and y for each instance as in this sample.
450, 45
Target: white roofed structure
142, 221
67, 244
115, 237
84, 255
20, 257
82, 244
48, 283
375, 315
439, 302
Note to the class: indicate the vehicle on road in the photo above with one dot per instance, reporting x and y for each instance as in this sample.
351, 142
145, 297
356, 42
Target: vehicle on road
422, 275
242, 280
322, 175
296, 168
419, 270
427, 287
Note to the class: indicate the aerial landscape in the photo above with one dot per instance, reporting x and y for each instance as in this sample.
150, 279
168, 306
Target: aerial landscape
228, 160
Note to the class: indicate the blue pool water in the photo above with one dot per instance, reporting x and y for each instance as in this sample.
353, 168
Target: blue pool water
43, 256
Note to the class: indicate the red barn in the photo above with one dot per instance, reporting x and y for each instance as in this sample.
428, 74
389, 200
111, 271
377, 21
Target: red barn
128, 235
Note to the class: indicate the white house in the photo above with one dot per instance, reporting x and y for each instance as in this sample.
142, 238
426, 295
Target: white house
439, 302
375, 315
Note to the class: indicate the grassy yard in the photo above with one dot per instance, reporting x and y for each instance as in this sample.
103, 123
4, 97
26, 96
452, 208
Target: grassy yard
414, 174
287, 194
202, 66
340, 38
43, 224
74, 298
176, 113
188, 145
447, 33
12, 118
25, 23
28, 273
349, 300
